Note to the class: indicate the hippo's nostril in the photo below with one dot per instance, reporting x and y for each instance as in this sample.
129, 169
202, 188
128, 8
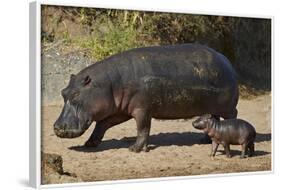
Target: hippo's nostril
60, 127
56, 127
63, 126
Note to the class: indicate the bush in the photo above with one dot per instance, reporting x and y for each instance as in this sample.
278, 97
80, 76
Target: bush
104, 32
115, 40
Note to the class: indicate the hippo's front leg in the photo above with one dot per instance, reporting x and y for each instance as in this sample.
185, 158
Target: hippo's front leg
102, 126
143, 120
214, 148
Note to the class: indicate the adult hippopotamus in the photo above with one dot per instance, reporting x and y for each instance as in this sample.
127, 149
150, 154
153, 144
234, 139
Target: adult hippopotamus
162, 82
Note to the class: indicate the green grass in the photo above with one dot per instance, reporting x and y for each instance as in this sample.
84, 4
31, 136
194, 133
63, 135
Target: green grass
115, 40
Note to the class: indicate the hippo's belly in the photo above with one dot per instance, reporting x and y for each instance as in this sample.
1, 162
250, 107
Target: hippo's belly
176, 99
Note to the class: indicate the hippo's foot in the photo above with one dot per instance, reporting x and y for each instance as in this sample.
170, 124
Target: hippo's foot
92, 143
137, 148
251, 154
228, 156
212, 158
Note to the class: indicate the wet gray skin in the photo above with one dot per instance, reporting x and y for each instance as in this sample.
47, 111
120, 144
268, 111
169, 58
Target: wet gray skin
162, 82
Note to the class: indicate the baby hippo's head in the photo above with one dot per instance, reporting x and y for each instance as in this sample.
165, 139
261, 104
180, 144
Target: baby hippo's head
203, 122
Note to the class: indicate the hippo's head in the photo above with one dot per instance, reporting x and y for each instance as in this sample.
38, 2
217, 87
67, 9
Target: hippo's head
203, 122
85, 101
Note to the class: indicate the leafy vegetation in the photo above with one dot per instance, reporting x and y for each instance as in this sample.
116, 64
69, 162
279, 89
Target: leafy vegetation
110, 31
115, 40
246, 42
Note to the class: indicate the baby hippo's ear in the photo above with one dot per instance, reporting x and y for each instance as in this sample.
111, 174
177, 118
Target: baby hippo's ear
208, 116
72, 77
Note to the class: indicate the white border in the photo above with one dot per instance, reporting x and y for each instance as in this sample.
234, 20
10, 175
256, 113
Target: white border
35, 95
35, 91
154, 179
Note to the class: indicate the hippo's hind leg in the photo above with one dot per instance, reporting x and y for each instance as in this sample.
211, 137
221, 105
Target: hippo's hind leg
143, 120
227, 150
244, 150
102, 126
251, 148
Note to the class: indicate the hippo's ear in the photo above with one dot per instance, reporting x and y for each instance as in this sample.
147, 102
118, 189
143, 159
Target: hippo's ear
87, 80
72, 76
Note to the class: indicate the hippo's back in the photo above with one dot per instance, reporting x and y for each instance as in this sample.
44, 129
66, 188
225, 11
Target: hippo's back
178, 81
187, 61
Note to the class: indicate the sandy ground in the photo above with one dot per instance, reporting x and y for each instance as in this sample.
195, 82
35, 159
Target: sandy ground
175, 148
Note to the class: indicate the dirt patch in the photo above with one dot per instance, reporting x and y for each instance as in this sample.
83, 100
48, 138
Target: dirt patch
52, 170
175, 148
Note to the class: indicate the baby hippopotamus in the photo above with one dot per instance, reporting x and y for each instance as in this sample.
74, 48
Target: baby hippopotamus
226, 132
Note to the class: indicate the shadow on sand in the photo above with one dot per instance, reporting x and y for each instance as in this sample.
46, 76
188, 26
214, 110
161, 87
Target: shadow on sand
159, 140
238, 152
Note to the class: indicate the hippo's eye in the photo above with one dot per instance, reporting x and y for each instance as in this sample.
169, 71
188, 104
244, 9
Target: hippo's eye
86, 80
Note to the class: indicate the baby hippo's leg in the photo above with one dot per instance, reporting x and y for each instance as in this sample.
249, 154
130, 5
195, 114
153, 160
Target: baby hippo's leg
214, 148
244, 149
227, 150
251, 147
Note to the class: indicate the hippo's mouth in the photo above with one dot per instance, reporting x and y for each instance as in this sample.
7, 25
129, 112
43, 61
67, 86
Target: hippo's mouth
68, 133
197, 125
